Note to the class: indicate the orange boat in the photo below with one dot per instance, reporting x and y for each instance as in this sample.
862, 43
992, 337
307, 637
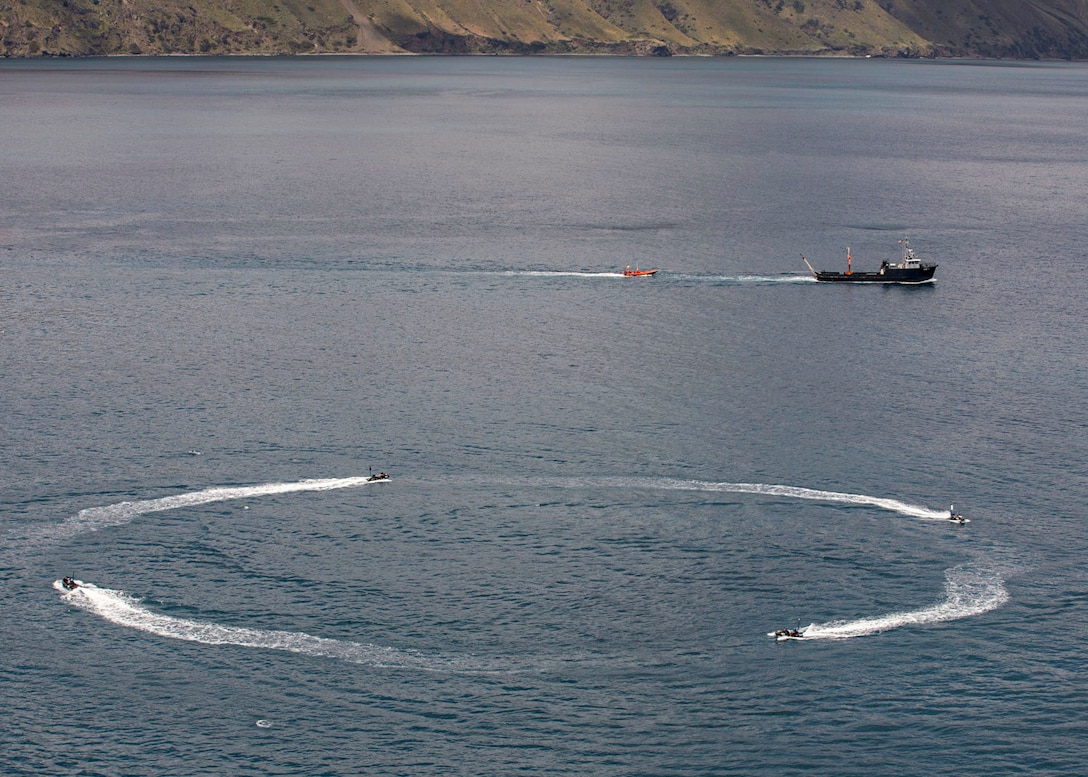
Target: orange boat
629, 273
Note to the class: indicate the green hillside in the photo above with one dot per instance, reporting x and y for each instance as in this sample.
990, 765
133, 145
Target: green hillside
951, 28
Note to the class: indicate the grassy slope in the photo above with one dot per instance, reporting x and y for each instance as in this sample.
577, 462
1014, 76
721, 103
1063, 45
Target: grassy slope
1001, 28
79, 27
1016, 28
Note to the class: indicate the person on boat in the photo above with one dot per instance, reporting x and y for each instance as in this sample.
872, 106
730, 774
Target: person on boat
69, 583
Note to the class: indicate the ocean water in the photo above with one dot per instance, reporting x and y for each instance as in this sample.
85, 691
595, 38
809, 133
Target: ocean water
230, 289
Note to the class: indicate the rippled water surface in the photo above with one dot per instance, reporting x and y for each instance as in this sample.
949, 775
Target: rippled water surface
234, 288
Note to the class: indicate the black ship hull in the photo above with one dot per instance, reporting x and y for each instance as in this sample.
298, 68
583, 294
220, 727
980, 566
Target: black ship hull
910, 270
923, 274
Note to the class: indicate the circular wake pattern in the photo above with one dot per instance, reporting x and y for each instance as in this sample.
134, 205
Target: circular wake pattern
970, 590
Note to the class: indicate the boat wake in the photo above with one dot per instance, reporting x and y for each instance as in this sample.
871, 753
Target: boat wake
796, 492
561, 274
95, 518
717, 280
969, 591
745, 280
792, 492
123, 610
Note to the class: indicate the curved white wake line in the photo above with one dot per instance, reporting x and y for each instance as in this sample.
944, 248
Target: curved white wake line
968, 591
796, 492
95, 518
123, 610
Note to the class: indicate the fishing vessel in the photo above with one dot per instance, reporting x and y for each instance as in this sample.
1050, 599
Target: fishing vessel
910, 269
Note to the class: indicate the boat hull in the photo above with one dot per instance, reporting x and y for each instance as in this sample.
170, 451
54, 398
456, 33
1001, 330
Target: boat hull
908, 271
923, 274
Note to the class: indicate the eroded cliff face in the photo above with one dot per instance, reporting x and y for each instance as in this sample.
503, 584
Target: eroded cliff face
1054, 29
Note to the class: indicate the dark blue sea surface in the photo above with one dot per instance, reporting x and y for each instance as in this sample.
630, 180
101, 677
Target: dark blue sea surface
230, 289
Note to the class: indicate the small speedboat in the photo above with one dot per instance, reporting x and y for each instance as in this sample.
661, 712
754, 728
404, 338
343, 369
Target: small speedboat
379, 476
636, 273
69, 584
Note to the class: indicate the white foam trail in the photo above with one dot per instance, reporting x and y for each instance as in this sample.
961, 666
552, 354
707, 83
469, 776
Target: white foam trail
796, 492
95, 518
123, 610
968, 591
757, 278
729, 279
562, 273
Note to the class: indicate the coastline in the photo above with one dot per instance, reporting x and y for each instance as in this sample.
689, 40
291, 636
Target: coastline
1050, 30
